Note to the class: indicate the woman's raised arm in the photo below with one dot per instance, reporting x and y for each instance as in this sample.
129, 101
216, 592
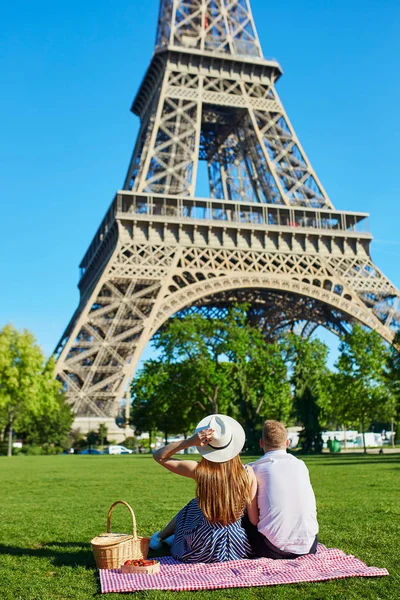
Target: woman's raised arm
186, 468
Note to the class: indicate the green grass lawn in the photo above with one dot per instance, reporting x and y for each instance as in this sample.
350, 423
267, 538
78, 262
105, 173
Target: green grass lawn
52, 506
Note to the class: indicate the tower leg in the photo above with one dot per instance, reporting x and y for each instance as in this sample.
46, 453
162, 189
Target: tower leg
108, 337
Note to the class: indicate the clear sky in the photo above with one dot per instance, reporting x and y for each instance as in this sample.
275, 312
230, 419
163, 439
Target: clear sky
69, 71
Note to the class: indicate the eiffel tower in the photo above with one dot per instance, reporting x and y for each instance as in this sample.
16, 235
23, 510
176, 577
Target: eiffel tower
266, 231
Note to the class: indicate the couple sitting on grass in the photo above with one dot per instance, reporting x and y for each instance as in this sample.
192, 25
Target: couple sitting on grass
266, 509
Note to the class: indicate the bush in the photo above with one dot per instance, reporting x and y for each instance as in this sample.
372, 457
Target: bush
32, 450
76, 440
3, 449
130, 442
51, 450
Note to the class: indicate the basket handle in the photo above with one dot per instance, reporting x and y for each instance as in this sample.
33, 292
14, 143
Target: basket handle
132, 515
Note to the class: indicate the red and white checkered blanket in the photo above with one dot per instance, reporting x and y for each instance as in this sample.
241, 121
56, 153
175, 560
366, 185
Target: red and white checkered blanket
328, 563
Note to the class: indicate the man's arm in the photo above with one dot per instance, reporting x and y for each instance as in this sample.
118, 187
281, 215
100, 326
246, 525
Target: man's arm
252, 507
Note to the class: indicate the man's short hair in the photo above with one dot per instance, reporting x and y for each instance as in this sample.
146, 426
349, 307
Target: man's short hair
274, 434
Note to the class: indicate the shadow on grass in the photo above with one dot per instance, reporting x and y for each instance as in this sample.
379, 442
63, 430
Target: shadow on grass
349, 455
360, 463
79, 554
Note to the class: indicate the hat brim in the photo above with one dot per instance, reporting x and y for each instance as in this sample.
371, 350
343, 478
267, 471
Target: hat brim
235, 446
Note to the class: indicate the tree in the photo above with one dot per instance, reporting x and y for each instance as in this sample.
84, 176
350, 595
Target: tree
76, 440
362, 395
392, 378
145, 397
131, 442
202, 345
165, 397
340, 414
209, 366
93, 439
259, 378
103, 431
310, 376
49, 425
27, 383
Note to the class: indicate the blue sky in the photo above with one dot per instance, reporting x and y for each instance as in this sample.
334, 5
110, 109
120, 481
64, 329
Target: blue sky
69, 72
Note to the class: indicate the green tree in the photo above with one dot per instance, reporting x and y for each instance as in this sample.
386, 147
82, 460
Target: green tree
361, 394
201, 344
340, 414
207, 366
392, 379
51, 424
310, 379
92, 439
76, 440
103, 431
144, 394
165, 398
27, 383
258, 375
131, 442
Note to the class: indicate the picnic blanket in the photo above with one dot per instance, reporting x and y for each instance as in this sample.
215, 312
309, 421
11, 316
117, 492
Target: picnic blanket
327, 563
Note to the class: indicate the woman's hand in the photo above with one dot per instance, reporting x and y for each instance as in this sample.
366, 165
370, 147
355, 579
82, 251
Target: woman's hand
187, 468
202, 438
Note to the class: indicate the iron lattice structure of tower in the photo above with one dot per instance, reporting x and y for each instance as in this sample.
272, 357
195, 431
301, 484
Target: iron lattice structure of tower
266, 232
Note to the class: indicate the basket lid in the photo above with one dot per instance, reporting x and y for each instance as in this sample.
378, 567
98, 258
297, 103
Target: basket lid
111, 539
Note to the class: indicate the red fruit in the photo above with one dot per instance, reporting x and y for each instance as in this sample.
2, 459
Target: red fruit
127, 563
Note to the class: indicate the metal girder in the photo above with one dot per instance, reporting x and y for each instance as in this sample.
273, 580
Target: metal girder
218, 26
156, 272
241, 128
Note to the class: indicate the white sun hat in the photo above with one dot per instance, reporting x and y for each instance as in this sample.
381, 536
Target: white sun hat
228, 440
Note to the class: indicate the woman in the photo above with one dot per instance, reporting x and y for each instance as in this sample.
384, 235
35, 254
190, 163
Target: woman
209, 529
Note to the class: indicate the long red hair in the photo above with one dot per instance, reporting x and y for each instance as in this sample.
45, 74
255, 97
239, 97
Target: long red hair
223, 490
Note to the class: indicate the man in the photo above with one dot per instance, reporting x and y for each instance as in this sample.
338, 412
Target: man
288, 525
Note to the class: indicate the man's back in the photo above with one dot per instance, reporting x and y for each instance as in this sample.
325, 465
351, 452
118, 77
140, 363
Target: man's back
286, 502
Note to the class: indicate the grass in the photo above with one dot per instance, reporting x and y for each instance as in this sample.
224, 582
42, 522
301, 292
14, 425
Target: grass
50, 508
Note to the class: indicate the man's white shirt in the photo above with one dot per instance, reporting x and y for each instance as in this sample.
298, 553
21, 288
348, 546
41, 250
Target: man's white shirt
286, 502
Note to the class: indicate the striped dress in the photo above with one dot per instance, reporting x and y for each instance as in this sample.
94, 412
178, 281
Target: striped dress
197, 540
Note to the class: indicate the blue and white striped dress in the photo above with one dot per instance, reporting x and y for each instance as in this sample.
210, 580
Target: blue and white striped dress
197, 540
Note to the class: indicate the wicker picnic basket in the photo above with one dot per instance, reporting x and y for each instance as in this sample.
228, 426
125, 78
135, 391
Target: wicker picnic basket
111, 550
